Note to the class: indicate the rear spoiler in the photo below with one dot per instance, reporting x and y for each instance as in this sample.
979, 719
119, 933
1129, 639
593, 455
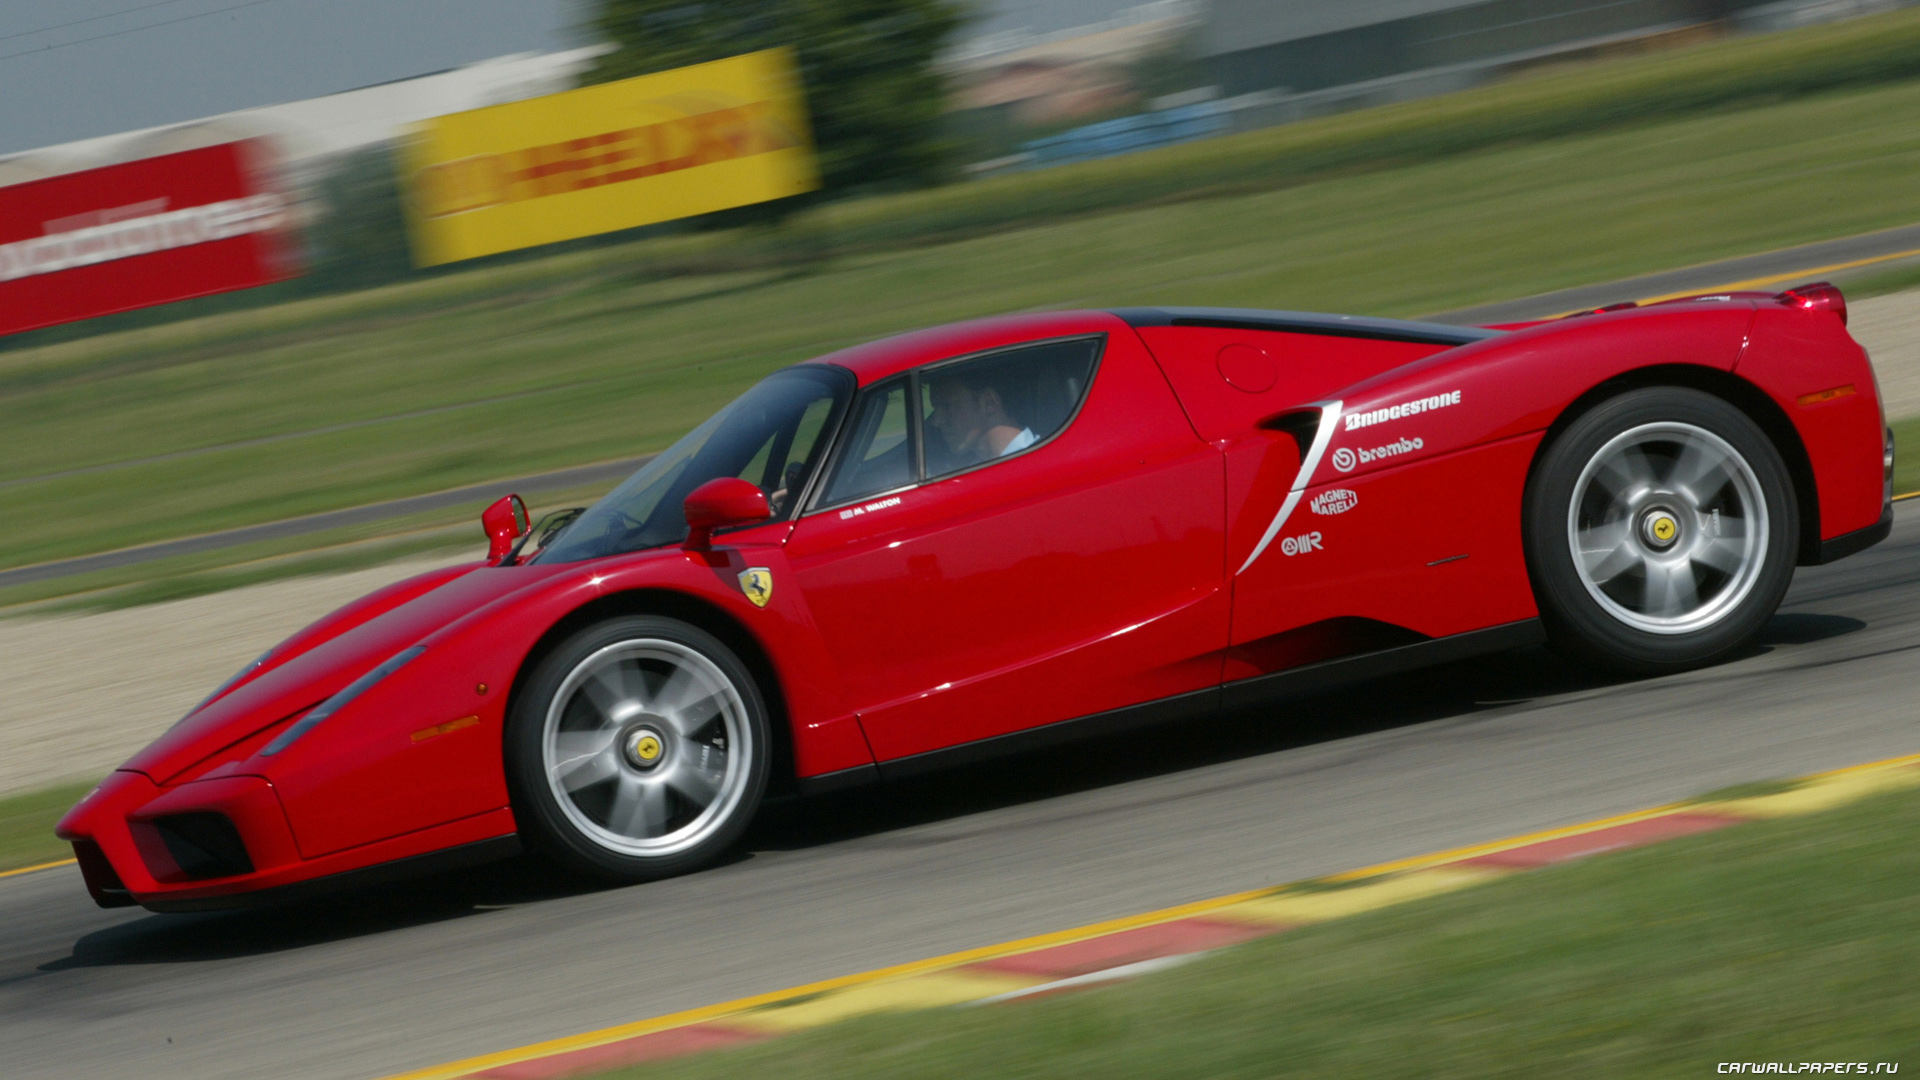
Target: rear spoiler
1817, 296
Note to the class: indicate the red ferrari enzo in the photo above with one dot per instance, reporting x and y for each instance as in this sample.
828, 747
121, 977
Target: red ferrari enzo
988, 536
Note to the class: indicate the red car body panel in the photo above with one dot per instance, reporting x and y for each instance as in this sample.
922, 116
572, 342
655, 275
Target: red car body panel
1237, 495
1798, 359
1043, 588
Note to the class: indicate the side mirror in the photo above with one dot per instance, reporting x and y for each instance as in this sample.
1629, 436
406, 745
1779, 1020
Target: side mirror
720, 503
504, 522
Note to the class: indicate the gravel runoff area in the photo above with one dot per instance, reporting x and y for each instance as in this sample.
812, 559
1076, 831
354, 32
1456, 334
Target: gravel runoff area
1889, 327
85, 692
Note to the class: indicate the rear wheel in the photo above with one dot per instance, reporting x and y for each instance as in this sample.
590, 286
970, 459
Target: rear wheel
638, 750
1660, 531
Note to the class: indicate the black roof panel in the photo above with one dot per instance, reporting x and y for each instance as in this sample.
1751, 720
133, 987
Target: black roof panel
1307, 322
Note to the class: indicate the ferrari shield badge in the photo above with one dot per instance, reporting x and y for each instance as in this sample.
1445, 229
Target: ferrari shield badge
757, 583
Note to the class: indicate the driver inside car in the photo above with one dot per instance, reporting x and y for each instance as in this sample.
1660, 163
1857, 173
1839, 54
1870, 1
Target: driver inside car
973, 422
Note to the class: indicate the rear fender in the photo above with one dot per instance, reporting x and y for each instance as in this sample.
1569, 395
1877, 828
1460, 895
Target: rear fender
1518, 383
1822, 381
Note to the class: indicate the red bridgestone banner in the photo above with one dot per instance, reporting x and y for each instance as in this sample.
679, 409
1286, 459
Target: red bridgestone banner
146, 232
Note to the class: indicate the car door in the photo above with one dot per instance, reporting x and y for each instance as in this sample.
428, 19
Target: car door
1370, 555
1071, 565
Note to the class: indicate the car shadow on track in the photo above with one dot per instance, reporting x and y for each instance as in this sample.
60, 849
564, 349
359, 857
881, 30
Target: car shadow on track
349, 913
1449, 692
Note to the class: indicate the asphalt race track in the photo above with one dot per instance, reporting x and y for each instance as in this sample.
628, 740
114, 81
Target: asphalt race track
376, 983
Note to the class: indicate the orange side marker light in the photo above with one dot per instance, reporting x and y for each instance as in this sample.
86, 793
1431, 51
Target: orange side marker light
1825, 395
441, 729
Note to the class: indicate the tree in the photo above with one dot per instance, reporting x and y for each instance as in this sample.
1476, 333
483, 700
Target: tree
868, 66
360, 238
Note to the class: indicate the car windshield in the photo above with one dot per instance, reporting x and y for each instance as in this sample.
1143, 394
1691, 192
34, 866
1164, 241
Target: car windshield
773, 435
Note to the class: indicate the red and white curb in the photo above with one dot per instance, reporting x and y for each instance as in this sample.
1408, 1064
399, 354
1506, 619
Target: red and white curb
1125, 948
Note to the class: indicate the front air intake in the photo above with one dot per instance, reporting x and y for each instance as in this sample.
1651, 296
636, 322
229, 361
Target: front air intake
102, 882
204, 844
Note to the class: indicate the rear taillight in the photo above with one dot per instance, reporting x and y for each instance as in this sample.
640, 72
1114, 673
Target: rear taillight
1819, 296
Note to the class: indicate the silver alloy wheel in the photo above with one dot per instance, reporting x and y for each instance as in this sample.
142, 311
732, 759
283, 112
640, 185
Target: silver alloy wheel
1668, 528
647, 748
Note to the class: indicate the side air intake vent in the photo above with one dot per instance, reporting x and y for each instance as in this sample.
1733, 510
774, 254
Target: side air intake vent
204, 845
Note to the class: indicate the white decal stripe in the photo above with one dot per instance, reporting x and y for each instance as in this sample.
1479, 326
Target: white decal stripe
1329, 420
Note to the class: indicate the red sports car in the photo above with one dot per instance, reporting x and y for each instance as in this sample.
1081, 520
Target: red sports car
989, 536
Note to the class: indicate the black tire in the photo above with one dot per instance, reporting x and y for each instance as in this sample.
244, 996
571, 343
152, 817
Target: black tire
708, 735
1720, 537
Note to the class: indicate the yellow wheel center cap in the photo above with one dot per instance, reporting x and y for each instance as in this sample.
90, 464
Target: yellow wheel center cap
1661, 529
645, 748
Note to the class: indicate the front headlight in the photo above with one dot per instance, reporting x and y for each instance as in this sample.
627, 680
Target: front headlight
338, 701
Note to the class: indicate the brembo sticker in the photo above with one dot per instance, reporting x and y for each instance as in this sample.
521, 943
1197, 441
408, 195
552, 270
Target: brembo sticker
1358, 420
1334, 501
1345, 460
1301, 545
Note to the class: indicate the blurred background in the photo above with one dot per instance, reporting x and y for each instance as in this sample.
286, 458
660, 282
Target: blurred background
226, 357
288, 292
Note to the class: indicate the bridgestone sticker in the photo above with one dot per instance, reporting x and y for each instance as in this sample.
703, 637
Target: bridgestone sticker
1334, 501
1358, 420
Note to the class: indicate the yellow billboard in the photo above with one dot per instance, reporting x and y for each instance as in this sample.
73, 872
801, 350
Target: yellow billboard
614, 156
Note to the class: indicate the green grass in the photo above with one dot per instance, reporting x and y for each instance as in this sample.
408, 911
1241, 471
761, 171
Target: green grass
1898, 280
26, 825
1792, 940
1906, 456
1560, 100
364, 556
451, 532
606, 353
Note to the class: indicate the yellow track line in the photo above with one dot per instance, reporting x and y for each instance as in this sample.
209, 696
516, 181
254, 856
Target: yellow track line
1762, 282
725, 1008
36, 866
603, 1036
1775, 279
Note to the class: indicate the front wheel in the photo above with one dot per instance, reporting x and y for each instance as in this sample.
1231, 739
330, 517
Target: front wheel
638, 750
1660, 531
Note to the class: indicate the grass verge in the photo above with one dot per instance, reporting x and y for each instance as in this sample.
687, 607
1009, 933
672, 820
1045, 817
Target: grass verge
1906, 456
1898, 280
451, 532
26, 825
1791, 940
337, 560
1560, 100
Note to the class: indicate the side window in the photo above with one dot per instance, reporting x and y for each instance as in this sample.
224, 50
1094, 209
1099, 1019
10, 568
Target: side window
879, 452
974, 411
782, 463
